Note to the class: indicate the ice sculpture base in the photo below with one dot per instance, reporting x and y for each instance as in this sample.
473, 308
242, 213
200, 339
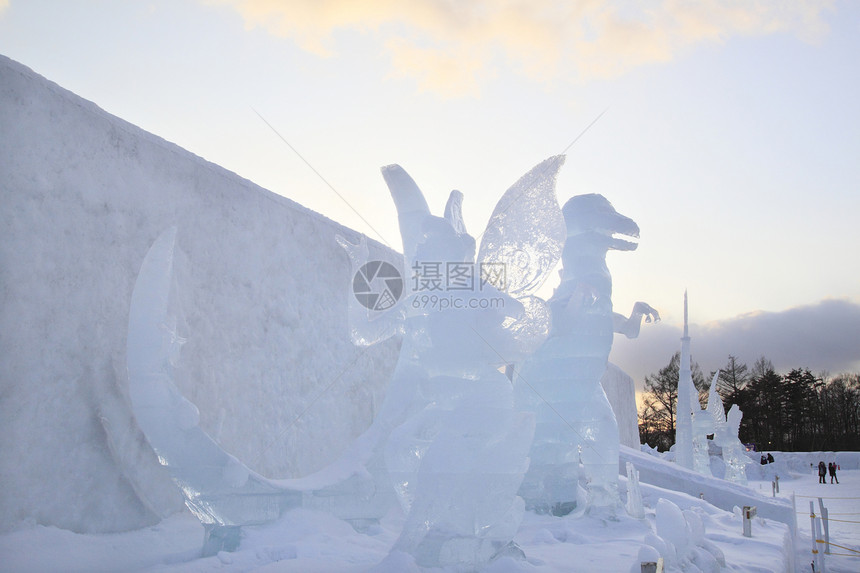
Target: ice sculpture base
221, 538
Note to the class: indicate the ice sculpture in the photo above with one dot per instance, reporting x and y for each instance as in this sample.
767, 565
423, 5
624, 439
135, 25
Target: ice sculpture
458, 459
703, 426
576, 434
726, 427
447, 440
635, 507
680, 540
687, 402
219, 489
715, 404
449, 443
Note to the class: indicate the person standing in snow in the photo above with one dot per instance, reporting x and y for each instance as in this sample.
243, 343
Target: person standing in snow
832, 468
822, 471
770, 459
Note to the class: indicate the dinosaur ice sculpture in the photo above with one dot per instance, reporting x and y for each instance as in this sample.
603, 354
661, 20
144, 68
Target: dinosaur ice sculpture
576, 434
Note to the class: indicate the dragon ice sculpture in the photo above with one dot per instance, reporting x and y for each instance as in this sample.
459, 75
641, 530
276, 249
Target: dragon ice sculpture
458, 453
576, 439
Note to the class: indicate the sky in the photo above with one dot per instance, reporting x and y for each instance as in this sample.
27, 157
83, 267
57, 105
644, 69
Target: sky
728, 130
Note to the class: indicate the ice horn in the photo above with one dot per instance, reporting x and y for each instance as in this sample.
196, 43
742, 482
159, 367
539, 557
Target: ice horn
454, 212
411, 206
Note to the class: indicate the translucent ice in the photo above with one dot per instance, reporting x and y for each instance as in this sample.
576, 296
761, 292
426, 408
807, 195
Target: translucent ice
219, 489
449, 443
458, 458
680, 540
576, 434
687, 402
726, 437
526, 230
703, 426
635, 507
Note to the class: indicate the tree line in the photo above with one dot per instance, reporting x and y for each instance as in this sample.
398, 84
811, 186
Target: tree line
797, 411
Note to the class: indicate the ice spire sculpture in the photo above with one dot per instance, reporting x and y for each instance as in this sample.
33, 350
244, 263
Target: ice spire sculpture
576, 435
686, 395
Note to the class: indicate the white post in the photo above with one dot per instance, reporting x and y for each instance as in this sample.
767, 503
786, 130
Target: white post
816, 561
826, 524
748, 513
820, 554
794, 510
773, 488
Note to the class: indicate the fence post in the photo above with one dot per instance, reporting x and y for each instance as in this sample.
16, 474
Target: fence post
776, 479
822, 565
816, 561
748, 513
826, 523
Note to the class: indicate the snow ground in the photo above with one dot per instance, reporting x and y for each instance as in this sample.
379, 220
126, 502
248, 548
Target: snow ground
843, 504
307, 541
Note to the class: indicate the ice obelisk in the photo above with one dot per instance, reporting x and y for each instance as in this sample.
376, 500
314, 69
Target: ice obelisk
686, 394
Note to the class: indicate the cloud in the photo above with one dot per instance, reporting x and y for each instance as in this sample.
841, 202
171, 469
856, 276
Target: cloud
823, 336
451, 47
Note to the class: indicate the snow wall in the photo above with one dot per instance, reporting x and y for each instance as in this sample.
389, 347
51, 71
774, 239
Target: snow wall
263, 288
621, 392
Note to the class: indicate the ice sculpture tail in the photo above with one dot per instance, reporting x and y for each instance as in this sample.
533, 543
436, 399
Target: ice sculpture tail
218, 488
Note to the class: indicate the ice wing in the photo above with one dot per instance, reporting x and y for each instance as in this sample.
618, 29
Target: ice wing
715, 403
526, 232
375, 294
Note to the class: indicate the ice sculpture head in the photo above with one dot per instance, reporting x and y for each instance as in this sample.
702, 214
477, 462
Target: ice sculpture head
426, 237
593, 215
461, 328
